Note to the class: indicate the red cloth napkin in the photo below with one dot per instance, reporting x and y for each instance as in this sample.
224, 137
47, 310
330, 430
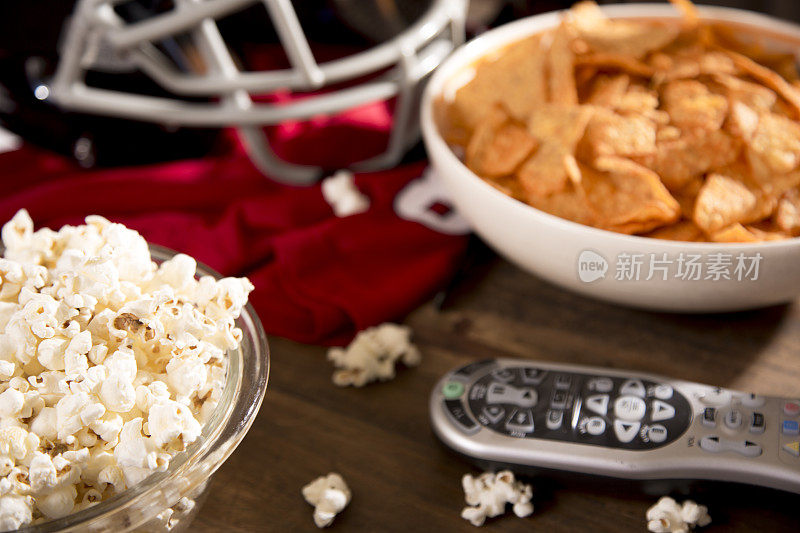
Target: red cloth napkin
318, 278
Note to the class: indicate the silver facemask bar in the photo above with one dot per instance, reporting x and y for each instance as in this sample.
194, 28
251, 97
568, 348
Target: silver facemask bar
408, 59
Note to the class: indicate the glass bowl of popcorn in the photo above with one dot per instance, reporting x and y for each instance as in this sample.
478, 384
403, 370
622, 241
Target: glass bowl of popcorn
128, 374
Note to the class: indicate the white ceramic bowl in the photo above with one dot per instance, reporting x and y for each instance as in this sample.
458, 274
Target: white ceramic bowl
573, 255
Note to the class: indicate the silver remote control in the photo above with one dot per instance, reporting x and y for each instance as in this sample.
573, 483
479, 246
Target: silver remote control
614, 423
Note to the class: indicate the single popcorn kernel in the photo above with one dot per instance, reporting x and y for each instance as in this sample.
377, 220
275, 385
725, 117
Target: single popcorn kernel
109, 363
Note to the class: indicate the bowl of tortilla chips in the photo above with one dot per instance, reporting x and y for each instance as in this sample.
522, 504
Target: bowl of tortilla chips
643, 154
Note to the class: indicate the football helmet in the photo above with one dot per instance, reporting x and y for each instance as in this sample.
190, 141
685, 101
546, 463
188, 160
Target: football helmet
132, 78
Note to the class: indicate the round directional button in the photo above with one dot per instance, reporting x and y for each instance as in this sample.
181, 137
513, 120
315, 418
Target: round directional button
633, 387
629, 408
626, 431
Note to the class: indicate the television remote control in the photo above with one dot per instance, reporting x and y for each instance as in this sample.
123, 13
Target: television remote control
615, 423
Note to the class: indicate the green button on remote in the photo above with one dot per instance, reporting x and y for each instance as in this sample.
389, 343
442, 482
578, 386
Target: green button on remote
452, 389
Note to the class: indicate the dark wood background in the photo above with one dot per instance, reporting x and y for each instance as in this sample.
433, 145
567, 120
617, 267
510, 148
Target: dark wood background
403, 479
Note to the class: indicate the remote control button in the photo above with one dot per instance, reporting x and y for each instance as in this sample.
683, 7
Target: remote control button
595, 426
710, 417
791, 408
554, 419
716, 444
533, 376
503, 374
711, 444
452, 389
661, 411
600, 384
629, 408
715, 397
521, 421
663, 392
656, 433
749, 449
790, 427
598, 404
457, 414
633, 387
752, 400
559, 400
757, 423
474, 367
493, 413
477, 391
521, 397
626, 431
793, 448
563, 382
733, 419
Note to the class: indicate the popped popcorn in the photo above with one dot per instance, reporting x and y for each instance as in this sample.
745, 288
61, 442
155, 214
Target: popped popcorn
488, 494
372, 355
667, 516
342, 195
329, 495
109, 363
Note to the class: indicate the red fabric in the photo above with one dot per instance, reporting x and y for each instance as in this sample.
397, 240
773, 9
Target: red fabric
318, 278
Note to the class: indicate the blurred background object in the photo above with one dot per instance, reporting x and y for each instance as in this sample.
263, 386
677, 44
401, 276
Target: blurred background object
137, 81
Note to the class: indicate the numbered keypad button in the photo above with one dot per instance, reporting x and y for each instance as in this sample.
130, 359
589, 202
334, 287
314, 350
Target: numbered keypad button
595, 426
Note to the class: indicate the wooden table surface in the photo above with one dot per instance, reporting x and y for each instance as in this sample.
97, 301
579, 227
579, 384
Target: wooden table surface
403, 479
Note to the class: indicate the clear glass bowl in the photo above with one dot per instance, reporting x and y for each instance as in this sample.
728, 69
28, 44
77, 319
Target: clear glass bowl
169, 501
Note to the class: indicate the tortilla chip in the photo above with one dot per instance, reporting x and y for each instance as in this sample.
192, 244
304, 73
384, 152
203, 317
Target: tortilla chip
691, 105
685, 230
766, 235
569, 203
694, 153
544, 173
742, 121
787, 215
631, 38
733, 233
640, 100
561, 68
611, 134
560, 124
722, 201
775, 143
616, 62
770, 78
607, 90
754, 95
627, 197
688, 11
689, 65
514, 78
498, 145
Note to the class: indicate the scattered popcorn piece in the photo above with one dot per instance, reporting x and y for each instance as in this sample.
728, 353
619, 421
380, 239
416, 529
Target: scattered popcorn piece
372, 355
109, 363
666, 516
341, 193
488, 494
329, 495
